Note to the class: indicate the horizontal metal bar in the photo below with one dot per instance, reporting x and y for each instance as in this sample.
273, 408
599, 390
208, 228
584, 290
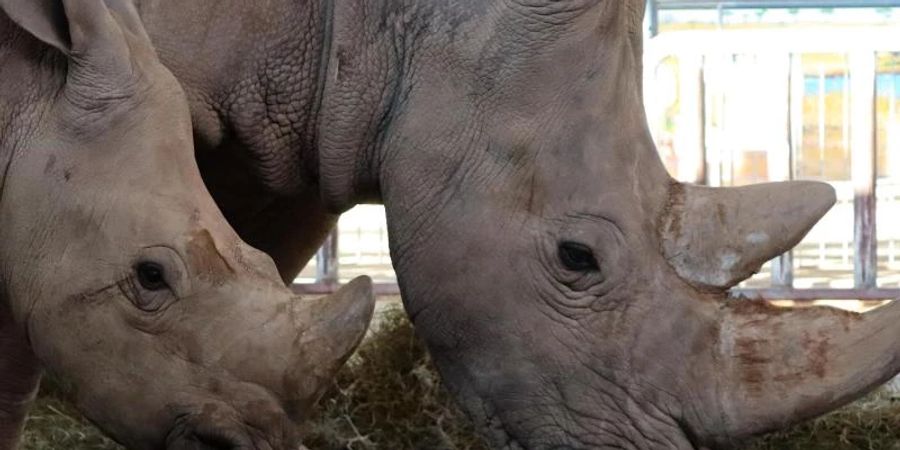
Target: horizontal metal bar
756, 294
812, 40
817, 294
328, 288
783, 4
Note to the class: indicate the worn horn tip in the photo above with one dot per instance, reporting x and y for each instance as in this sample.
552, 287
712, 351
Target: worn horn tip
356, 300
361, 285
822, 196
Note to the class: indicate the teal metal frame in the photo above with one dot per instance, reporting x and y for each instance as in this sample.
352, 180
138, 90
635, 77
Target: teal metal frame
654, 6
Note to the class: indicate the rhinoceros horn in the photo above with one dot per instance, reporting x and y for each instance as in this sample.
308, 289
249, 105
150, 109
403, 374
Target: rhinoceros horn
717, 237
777, 366
771, 366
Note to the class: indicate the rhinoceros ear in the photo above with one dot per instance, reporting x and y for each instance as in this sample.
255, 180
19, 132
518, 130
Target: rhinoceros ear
128, 17
90, 28
44, 19
718, 237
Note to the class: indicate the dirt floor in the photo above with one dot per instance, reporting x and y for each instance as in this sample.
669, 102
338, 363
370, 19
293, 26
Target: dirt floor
389, 397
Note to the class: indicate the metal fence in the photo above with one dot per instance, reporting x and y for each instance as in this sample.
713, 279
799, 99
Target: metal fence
753, 85
359, 246
655, 6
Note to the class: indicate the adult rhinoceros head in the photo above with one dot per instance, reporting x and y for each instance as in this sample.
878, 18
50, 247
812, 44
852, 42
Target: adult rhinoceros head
171, 331
574, 295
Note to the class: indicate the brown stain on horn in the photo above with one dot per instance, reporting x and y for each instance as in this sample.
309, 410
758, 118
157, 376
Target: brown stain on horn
816, 354
721, 214
756, 355
206, 259
753, 360
670, 218
766, 358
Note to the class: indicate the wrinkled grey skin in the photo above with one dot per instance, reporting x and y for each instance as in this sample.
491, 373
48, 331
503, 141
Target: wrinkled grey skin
98, 184
572, 294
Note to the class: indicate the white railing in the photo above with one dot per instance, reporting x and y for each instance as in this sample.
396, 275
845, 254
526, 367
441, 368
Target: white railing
844, 254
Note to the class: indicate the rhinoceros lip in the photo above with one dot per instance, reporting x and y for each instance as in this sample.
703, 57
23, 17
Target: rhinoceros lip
495, 429
192, 432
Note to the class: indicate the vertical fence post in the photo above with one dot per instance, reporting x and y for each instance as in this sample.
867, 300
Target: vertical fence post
783, 265
653, 15
713, 76
862, 156
689, 135
327, 261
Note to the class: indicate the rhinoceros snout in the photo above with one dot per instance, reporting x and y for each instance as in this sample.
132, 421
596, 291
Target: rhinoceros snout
205, 431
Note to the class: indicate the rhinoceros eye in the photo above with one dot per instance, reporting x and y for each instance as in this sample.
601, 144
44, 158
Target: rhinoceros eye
577, 257
151, 276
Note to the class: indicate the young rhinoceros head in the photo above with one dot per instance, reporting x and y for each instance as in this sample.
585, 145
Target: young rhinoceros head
171, 331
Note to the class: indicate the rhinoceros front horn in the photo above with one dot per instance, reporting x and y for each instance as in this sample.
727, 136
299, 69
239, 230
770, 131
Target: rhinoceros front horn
770, 366
773, 367
717, 237
334, 326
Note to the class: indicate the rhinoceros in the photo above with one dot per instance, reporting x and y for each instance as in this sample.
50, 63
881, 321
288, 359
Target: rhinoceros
572, 293
118, 273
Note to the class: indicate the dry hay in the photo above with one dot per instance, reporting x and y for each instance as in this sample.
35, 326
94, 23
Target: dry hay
389, 397
872, 423
54, 425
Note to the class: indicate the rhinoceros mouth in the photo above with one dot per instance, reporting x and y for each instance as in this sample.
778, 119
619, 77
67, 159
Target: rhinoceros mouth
193, 432
501, 438
494, 429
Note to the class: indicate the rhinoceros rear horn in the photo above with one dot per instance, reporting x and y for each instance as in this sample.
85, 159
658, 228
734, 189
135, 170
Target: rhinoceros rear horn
717, 237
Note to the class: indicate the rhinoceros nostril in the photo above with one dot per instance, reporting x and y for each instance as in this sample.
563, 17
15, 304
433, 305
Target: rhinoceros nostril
216, 442
194, 433
206, 442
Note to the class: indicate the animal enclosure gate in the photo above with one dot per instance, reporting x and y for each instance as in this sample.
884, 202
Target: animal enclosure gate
752, 106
